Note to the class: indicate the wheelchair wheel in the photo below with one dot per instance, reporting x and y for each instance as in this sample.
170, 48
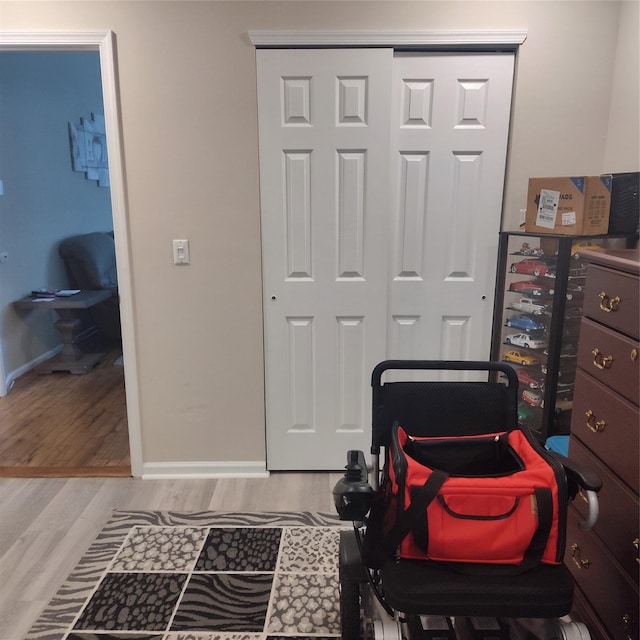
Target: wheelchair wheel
574, 631
349, 607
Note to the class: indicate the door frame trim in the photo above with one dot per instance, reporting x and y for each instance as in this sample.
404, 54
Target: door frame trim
510, 39
105, 43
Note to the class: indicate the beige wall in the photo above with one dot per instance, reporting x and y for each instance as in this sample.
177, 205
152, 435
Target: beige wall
188, 97
623, 140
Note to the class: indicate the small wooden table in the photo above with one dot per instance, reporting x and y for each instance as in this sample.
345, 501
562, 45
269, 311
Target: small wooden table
71, 358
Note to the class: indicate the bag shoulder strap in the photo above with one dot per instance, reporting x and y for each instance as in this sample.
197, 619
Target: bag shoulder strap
415, 514
534, 552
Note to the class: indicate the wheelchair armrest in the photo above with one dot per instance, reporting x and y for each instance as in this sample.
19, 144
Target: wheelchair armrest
352, 494
584, 480
582, 476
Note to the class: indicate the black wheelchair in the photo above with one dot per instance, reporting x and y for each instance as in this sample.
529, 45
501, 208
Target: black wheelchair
382, 597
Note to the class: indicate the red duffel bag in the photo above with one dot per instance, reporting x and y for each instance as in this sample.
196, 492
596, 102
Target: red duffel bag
495, 498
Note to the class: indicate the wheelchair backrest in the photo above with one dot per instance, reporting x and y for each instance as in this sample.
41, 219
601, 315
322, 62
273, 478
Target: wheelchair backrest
437, 408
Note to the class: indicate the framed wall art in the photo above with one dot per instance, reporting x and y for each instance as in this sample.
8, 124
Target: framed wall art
88, 143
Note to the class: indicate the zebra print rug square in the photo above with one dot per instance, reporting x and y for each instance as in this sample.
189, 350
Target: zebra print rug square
202, 576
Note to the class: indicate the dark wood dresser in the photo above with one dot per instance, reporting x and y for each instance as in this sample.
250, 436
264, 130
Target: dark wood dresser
604, 435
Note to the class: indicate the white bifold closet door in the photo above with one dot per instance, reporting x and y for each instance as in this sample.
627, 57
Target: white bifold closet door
381, 177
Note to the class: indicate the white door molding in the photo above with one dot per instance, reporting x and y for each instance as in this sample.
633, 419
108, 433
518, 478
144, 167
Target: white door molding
410, 39
104, 43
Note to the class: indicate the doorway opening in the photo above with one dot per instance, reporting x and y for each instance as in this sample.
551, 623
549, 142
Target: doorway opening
63, 388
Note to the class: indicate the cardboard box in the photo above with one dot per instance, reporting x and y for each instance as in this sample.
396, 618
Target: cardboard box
570, 206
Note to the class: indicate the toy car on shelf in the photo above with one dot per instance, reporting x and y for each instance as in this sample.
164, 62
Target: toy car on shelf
574, 272
528, 288
563, 405
526, 413
525, 340
581, 245
532, 398
574, 286
566, 371
564, 393
518, 357
527, 250
566, 388
525, 322
530, 266
528, 306
526, 378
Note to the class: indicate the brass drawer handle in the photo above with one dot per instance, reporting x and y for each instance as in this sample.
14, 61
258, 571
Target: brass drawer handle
594, 425
608, 304
636, 547
600, 361
634, 355
577, 560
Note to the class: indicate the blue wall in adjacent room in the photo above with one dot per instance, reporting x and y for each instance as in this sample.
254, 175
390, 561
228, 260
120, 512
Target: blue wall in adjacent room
44, 200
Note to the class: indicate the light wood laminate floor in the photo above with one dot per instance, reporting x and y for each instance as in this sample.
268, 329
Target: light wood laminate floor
46, 524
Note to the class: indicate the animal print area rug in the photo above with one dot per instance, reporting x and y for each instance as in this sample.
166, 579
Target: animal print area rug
202, 576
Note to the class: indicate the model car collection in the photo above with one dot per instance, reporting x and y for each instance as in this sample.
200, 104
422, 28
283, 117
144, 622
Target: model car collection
532, 300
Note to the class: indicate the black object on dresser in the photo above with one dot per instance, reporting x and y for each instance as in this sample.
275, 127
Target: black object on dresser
625, 203
604, 435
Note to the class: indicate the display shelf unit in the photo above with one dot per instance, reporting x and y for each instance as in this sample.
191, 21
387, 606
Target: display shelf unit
538, 307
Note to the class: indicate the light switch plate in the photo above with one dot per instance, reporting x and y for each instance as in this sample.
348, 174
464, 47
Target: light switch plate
181, 252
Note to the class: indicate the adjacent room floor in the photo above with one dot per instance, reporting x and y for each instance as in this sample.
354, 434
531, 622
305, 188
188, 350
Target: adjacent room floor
66, 425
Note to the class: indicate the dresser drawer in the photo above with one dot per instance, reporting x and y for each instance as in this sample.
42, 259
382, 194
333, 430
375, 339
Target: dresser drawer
617, 525
608, 425
609, 357
611, 594
611, 297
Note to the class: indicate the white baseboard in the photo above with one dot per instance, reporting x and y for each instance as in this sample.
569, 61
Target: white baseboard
191, 470
32, 364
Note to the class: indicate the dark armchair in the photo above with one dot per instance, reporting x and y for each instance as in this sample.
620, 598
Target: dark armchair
90, 262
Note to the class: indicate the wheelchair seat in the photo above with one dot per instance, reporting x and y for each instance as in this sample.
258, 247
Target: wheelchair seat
426, 588
485, 393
